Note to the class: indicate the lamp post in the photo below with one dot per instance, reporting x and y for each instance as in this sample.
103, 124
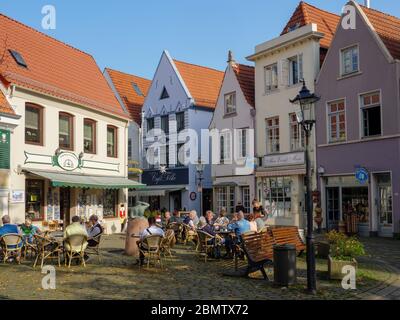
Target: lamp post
304, 103
200, 171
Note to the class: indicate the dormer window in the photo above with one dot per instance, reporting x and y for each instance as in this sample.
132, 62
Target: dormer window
164, 94
350, 60
18, 58
230, 103
137, 89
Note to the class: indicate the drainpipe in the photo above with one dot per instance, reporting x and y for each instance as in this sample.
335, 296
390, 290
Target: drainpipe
253, 119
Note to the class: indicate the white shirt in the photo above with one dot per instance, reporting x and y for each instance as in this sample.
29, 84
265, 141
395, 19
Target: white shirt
151, 231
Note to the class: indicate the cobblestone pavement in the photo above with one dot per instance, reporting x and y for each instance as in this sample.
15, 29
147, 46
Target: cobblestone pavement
187, 276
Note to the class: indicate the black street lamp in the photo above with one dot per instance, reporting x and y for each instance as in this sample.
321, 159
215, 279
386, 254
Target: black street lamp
304, 102
200, 170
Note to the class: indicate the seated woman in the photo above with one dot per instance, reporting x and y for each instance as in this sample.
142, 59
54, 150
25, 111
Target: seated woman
222, 221
29, 230
252, 222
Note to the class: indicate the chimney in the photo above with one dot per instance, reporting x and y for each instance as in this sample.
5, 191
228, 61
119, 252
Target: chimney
231, 59
367, 3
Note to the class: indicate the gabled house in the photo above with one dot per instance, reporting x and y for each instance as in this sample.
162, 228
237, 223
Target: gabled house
68, 152
357, 123
180, 103
232, 173
281, 64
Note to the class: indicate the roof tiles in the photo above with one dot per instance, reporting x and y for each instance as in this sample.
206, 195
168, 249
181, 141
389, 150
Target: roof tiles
245, 76
5, 106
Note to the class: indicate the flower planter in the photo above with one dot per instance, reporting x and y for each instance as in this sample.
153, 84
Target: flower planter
335, 267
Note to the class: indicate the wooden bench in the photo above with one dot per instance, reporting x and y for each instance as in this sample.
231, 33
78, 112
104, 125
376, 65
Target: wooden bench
258, 249
288, 235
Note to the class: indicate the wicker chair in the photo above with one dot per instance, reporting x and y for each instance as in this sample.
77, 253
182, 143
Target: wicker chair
167, 243
75, 249
188, 235
12, 245
203, 245
47, 249
95, 250
150, 247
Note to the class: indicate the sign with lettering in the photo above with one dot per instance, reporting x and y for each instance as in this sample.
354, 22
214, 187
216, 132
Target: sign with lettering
362, 175
169, 177
287, 159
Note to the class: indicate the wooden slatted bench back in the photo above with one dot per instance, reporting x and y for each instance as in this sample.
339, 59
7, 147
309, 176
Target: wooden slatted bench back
259, 246
288, 235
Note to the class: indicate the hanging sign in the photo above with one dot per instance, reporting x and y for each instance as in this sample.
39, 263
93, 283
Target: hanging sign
362, 175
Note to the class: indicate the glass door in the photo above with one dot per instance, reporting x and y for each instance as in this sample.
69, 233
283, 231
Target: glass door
333, 207
385, 208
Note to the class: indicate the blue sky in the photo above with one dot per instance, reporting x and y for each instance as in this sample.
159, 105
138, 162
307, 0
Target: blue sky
129, 35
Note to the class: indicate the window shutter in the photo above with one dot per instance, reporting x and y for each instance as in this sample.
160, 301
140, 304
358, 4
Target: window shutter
4, 149
228, 146
284, 72
300, 63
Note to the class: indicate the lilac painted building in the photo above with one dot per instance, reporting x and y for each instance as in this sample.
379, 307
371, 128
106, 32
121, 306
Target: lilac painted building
358, 124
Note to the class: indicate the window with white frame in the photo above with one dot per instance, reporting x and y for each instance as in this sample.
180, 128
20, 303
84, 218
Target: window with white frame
230, 103
278, 197
243, 135
225, 198
297, 137
271, 77
273, 135
150, 124
165, 124
246, 198
337, 121
349, 60
225, 146
371, 114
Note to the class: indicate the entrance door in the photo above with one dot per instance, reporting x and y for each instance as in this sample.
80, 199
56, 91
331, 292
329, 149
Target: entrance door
385, 209
207, 199
65, 205
175, 201
333, 208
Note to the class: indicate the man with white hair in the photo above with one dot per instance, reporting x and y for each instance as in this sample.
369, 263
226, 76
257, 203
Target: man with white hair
7, 227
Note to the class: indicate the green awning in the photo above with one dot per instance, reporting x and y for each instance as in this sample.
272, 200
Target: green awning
74, 180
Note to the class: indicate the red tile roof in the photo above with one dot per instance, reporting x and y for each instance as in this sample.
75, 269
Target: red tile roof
388, 29
307, 14
245, 76
203, 83
123, 83
5, 106
54, 68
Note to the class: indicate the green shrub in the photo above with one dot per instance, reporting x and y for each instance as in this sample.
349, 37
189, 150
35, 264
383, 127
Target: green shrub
346, 248
334, 236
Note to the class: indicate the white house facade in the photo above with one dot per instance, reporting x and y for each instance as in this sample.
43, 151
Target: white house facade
234, 116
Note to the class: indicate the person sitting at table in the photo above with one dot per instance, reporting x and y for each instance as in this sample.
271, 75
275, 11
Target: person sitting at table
94, 230
209, 217
9, 228
239, 227
192, 220
166, 219
216, 241
29, 230
75, 229
152, 230
252, 222
176, 217
222, 221
259, 220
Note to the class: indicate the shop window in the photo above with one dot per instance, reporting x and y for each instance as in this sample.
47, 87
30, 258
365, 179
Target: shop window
110, 203
225, 198
278, 197
89, 136
333, 207
355, 200
273, 135
371, 114
112, 150
65, 131
33, 124
297, 137
337, 121
34, 205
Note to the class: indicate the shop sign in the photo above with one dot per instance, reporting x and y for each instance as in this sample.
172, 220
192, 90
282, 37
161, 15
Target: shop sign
67, 161
167, 177
17, 196
288, 159
362, 175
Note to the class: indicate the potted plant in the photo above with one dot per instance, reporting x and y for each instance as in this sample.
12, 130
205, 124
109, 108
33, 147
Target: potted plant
343, 251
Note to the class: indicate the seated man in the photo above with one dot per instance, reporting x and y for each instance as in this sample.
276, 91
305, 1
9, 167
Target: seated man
166, 219
152, 230
176, 217
9, 228
74, 229
94, 230
29, 230
240, 226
